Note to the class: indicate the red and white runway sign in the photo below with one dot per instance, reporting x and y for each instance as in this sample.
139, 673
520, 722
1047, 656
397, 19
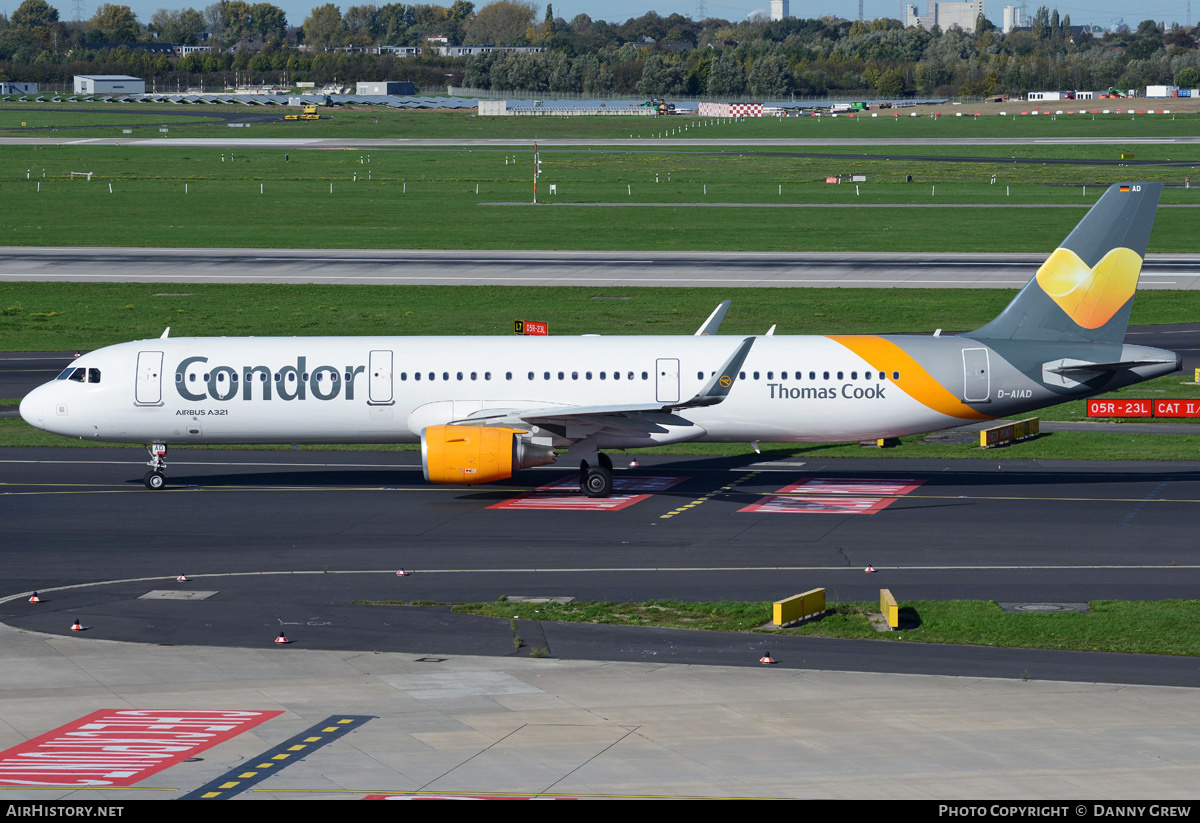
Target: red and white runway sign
821, 495
564, 495
118, 747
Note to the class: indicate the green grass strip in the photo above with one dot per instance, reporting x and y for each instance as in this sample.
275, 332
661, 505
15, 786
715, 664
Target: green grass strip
1141, 627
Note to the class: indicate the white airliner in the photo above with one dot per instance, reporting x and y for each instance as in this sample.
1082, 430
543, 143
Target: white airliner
484, 407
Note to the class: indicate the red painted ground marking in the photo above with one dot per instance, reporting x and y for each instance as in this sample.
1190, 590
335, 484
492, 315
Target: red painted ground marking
812, 496
564, 495
119, 747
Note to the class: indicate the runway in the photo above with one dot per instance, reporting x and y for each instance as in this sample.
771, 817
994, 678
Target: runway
554, 268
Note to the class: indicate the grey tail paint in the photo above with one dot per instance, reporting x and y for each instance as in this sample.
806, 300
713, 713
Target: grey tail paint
1083, 293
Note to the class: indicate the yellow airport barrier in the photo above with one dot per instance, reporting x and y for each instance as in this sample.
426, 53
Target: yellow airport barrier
889, 608
1009, 433
798, 607
1198, 375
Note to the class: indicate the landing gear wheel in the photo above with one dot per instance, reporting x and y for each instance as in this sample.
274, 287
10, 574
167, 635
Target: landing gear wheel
154, 480
598, 482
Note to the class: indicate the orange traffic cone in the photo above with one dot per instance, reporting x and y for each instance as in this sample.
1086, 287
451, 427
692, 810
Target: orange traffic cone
869, 569
281, 640
35, 598
183, 578
76, 626
766, 659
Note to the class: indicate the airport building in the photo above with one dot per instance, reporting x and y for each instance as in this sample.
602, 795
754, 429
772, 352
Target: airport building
109, 84
383, 87
18, 87
945, 15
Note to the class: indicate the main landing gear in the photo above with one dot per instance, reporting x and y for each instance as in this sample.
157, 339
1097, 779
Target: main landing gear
596, 480
155, 479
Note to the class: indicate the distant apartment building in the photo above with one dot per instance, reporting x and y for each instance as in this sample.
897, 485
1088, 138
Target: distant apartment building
1012, 19
945, 15
780, 9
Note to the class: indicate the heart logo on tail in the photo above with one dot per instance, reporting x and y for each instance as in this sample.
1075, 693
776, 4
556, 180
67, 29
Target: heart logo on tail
1090, 297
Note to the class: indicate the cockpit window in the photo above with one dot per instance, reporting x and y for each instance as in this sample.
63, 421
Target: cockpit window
77, 375
65, 373
93, 375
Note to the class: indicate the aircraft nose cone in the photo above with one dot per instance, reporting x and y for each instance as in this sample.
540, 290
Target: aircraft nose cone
33, 408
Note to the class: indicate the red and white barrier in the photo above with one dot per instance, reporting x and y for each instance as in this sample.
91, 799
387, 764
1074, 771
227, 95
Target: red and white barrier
731, 110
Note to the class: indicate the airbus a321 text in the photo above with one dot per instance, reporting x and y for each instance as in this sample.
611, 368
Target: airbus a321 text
485, 407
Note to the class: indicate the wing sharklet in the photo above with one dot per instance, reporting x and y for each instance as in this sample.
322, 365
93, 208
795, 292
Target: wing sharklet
713, 322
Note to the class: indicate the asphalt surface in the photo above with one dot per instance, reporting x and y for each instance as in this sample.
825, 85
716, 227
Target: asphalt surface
554, 268
290, 540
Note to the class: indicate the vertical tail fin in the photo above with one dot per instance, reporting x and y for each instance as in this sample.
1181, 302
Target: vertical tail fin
1084, 290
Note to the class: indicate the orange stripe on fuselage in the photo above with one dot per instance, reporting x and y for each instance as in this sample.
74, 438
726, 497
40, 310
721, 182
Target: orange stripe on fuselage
885, 356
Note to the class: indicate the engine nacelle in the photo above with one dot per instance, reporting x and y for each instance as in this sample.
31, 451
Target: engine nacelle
466, 455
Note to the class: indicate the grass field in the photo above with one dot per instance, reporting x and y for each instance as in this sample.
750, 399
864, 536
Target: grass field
1142, 627
36, 316
433, 199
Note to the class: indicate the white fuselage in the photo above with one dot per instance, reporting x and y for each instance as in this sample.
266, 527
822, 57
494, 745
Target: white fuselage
388, 389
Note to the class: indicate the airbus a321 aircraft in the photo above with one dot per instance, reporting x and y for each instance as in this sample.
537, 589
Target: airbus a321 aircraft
485, 407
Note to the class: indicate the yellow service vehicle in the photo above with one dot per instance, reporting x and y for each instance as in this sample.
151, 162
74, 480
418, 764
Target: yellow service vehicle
308, 112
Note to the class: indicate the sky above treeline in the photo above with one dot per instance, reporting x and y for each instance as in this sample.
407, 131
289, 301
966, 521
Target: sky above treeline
1104, 14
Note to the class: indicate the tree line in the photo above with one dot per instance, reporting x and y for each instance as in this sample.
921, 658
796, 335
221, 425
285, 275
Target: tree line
651, 55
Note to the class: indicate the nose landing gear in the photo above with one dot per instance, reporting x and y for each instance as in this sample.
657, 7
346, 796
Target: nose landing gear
155, 479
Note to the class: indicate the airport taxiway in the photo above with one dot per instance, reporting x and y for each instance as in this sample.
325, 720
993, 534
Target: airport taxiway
598, 269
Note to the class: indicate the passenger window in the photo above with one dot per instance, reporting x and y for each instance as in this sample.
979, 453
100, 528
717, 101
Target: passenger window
233, 378
574, 375
840, 376
630, 375
645, 375
487, 375
588, 375
508, 375
93, 375
403, 376
560, 375
602, 375
770, 375
291, 377
824, 375
474, 375
445, 375
616, 375
81, 376
178, 377
756, 375
531, 375
699, 375
416, 375
546, 375
460, 375
741, 375
895, 375
853, 375
432, 376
